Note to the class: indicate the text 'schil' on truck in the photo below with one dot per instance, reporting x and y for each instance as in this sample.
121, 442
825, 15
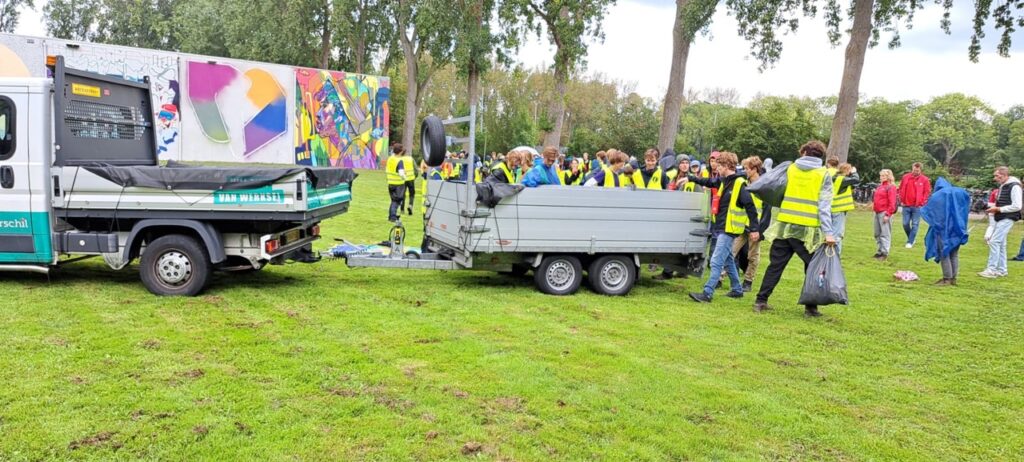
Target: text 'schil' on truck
558, 232
79, 177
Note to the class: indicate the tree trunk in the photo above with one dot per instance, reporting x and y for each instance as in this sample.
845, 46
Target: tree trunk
557, 110
325, 47
676, 81
849, 89
412, 96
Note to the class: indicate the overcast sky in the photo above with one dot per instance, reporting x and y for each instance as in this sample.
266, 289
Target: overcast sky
638, 47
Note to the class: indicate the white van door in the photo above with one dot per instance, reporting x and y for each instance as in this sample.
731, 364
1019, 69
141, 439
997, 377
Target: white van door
24, 232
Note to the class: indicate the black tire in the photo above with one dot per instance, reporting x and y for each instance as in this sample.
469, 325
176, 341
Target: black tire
175, 265
432, 141
612, 275
558, 275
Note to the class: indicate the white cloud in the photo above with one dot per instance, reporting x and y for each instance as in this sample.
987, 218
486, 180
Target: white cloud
638, 48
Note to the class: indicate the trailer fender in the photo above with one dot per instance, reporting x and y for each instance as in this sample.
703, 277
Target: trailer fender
636, 259
535, 262
209, 235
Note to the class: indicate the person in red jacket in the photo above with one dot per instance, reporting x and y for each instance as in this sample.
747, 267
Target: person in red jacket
884, 206
914, 191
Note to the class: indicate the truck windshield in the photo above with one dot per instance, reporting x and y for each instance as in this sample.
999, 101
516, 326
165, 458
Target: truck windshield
6, 128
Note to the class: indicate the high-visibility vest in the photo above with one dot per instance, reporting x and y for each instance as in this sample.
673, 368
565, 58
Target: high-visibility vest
613, 180
394, 178
476, 175
690, 186
800, 203
565, 178
409, 165
654, 183
736, 220
509, 176
841, 201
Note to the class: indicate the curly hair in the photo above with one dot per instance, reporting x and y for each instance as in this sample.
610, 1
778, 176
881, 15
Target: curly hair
814, 148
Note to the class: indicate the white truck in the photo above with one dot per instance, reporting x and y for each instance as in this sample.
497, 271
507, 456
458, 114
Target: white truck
79, 177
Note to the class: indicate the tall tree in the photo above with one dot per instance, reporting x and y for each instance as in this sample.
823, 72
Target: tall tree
954, 123
691, 16
425, 35
362, 29
569, 25
477, 44
760, 20
9, 13
72, 19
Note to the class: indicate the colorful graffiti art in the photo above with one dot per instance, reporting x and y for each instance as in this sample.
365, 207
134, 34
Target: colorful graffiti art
206, 81
341, 119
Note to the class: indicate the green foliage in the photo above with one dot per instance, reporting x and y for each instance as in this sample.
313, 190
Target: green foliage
9, 13
569, 25
770, 127
699, 123
955, 122
886, 135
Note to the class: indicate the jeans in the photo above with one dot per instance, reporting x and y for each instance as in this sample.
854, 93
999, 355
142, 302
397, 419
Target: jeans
883, 233
1020, 253
722, 258
410, 188
911, 221
997, 247
839, 229
781, 252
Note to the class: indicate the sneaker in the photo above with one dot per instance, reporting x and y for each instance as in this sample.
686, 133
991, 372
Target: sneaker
811, 312
735, 294
988, 274
760, 307
748, 286
1002, 275
952, 282
910, 245
942, 282
700, 297
882, 257
876, 255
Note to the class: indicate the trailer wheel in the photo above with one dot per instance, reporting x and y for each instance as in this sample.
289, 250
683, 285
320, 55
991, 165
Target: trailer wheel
558, 275
432, 141
175, 265
612, 275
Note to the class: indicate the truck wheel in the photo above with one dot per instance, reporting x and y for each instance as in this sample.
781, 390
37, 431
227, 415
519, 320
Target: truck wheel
612, 275
558, 275
432, 141
175, 265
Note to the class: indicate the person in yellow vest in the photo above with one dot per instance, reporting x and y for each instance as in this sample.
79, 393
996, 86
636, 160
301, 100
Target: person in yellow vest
736, 215
410, 185
805, 215
585, 163
651, 176
505, 171
752, 168
611, 176
573, 175
397, 177
600, 161
843, 182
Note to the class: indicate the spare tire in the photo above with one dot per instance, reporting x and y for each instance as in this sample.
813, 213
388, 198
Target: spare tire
432, 141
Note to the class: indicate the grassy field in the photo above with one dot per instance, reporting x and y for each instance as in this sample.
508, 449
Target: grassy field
320, 362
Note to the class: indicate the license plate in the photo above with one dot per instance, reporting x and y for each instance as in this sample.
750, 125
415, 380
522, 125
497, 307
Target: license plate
292, 236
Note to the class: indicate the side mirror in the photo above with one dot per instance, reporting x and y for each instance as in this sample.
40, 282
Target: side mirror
432, 140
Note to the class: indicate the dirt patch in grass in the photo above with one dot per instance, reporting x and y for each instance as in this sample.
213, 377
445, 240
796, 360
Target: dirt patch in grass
201, 430
472, 448
192, 374
510, 403
99, 439
243, 428
151, 344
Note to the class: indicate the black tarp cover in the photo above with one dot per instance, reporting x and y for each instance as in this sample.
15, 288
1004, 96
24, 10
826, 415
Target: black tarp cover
490, 193
180, 176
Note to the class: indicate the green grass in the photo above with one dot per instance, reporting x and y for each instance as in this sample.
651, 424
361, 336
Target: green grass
321, 362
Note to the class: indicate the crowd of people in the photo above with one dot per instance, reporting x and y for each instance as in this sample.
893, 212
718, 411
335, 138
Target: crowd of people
818, 195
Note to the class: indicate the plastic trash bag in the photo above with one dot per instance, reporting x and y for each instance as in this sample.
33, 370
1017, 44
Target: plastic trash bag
771, 187
824, 283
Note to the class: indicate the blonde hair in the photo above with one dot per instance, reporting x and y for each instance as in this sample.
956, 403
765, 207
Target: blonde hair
886, 174
514, 157
845, 168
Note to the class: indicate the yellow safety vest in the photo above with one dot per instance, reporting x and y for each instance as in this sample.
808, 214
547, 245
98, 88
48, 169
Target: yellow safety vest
800, 203
613, 180
654, 183
565, 178
737, 221
841, 201
409, 166
690, 186
509, 176
394, 178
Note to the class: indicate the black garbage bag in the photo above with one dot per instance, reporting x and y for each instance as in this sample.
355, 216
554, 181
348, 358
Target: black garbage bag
490, 193
824, 283
771, 187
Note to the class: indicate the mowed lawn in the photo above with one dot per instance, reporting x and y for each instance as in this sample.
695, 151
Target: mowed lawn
322, 362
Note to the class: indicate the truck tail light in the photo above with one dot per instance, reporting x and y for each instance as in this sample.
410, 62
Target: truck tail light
271, 246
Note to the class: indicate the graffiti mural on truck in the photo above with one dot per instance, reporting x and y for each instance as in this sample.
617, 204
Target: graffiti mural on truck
341, 119
265, 97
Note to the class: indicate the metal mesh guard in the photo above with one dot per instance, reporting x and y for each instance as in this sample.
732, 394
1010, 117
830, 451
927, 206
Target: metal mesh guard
88, 119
